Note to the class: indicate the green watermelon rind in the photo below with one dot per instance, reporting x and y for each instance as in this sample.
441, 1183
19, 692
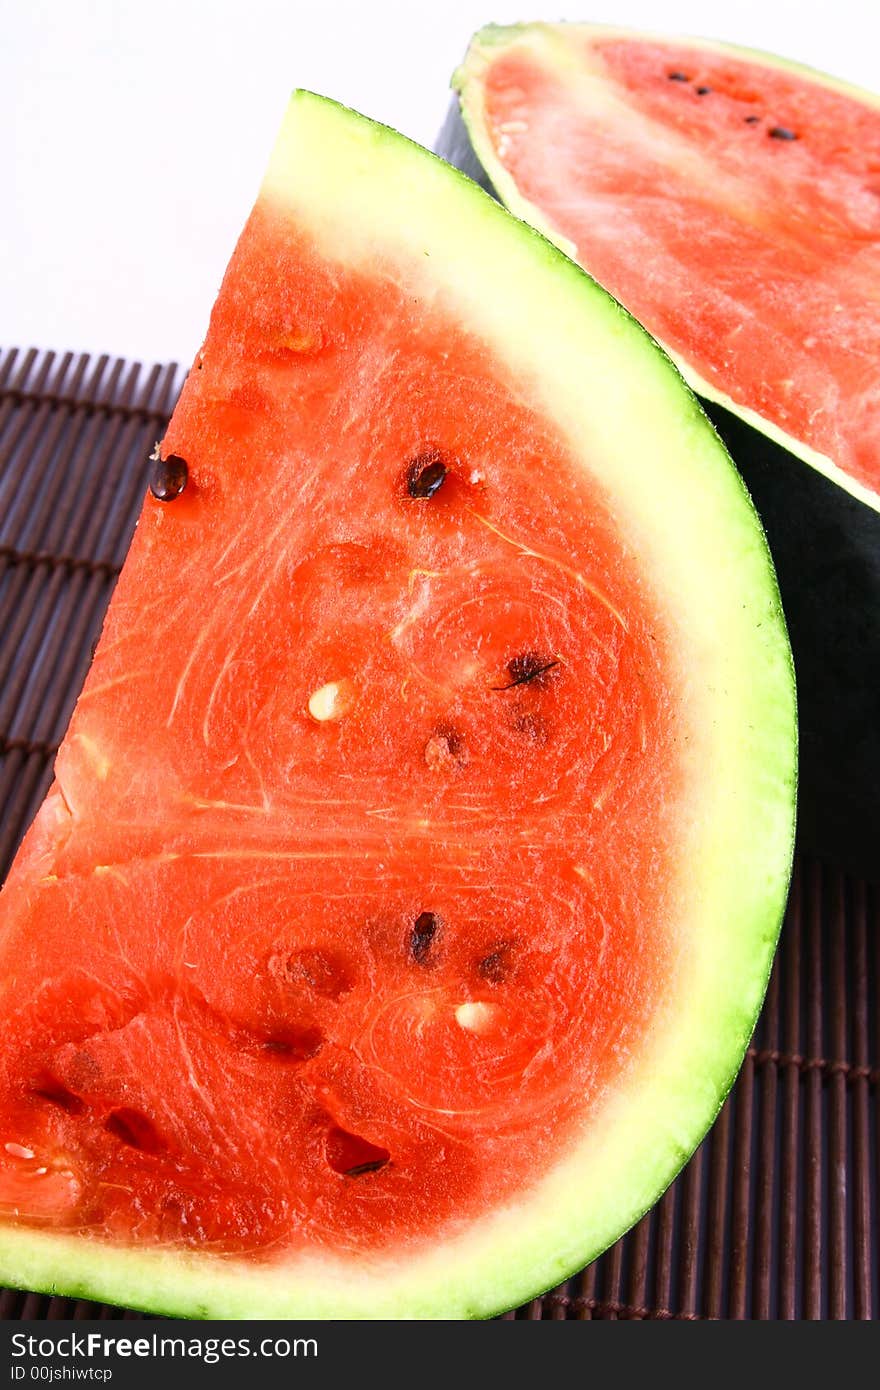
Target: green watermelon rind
466, 83
608, 386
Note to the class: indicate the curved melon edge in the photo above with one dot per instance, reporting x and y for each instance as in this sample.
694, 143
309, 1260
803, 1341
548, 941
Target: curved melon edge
466, 81
736, 887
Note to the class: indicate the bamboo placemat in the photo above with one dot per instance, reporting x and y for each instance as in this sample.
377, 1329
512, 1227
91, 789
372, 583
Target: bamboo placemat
776, 1214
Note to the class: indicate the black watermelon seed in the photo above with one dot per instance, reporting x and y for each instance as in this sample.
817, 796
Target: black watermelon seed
678, 77
425, 474
779, 132
751, 120
168, 478
528, 666
703, 91
422, 935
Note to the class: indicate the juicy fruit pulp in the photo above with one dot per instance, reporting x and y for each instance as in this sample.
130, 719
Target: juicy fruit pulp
252, 923
732, 204
414, 830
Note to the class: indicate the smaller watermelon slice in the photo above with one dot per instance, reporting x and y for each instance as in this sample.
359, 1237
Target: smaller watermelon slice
731, 200
419, 842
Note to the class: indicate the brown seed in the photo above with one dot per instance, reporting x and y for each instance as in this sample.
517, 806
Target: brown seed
425, 474
678, 77
495, 967
780, 132
422, 935
528, 666
751, 120
703, 91
168, 478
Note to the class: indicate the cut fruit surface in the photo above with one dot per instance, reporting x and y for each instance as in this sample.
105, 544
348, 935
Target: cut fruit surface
729, 199
419, 843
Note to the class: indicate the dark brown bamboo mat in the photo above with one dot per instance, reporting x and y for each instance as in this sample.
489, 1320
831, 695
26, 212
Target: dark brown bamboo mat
776, 1215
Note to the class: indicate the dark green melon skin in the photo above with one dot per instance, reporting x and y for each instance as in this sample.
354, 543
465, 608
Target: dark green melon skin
454, 145
826, 549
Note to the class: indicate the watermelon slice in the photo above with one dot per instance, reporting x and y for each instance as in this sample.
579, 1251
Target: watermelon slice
409, 885
729, 199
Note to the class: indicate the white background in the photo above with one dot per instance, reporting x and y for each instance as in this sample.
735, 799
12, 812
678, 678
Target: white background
133, 135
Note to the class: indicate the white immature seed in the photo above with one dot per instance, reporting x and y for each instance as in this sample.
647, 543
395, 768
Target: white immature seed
18, 1151
475, 1016
331, 701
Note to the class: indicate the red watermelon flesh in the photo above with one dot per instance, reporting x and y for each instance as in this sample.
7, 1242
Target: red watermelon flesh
235, 886
405, 831
729, 200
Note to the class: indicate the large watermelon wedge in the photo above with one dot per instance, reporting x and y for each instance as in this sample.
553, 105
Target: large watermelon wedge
408, 889
730, 199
